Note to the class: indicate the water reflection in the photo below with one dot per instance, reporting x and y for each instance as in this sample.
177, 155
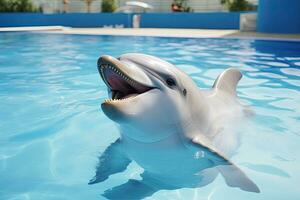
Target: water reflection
186, 168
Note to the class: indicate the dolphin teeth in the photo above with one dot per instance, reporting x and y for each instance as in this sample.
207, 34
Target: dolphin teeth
133, 83
118, 72
107, 100
118, 96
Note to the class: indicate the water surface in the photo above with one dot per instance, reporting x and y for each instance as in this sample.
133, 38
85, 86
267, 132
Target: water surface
52, 128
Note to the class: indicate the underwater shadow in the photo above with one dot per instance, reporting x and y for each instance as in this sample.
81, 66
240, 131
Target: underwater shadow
195, 172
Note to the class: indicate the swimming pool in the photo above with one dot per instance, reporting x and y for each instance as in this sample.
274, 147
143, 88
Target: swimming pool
52, 128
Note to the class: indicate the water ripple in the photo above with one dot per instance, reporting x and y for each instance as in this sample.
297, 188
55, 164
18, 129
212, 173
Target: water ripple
52, 128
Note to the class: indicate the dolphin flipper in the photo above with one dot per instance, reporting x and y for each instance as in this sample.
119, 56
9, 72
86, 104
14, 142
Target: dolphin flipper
110, 162
227, 81
233, 175
131, 190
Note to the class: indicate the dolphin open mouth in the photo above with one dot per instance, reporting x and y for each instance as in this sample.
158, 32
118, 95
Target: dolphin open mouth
121, 85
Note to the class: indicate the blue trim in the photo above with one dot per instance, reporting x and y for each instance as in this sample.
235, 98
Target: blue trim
215, 20
70, 19
219, 20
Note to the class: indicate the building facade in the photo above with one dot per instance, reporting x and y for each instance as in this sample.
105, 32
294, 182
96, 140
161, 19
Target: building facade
74, 6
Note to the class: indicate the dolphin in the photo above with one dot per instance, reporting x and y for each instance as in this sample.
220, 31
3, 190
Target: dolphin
168, 126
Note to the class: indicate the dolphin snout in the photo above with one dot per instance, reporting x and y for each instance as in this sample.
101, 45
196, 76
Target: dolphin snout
128, 68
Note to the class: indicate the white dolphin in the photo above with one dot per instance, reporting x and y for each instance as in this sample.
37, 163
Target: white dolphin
168, 126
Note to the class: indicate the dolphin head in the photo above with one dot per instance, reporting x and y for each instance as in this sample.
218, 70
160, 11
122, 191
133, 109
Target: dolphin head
148, 97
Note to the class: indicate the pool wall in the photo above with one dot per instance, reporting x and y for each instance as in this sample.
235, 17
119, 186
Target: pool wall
279, 16
216, 20
71, 19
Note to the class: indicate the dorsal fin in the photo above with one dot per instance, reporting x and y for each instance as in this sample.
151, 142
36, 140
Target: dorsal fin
228, 80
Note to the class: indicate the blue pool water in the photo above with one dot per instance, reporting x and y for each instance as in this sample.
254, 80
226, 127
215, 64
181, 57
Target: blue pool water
52, 129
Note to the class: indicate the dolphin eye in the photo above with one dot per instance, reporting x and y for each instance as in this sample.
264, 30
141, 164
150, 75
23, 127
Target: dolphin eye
170, 82
184, 92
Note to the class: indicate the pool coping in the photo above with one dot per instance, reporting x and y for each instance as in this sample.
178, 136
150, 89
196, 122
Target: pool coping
157, 32
31, 28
